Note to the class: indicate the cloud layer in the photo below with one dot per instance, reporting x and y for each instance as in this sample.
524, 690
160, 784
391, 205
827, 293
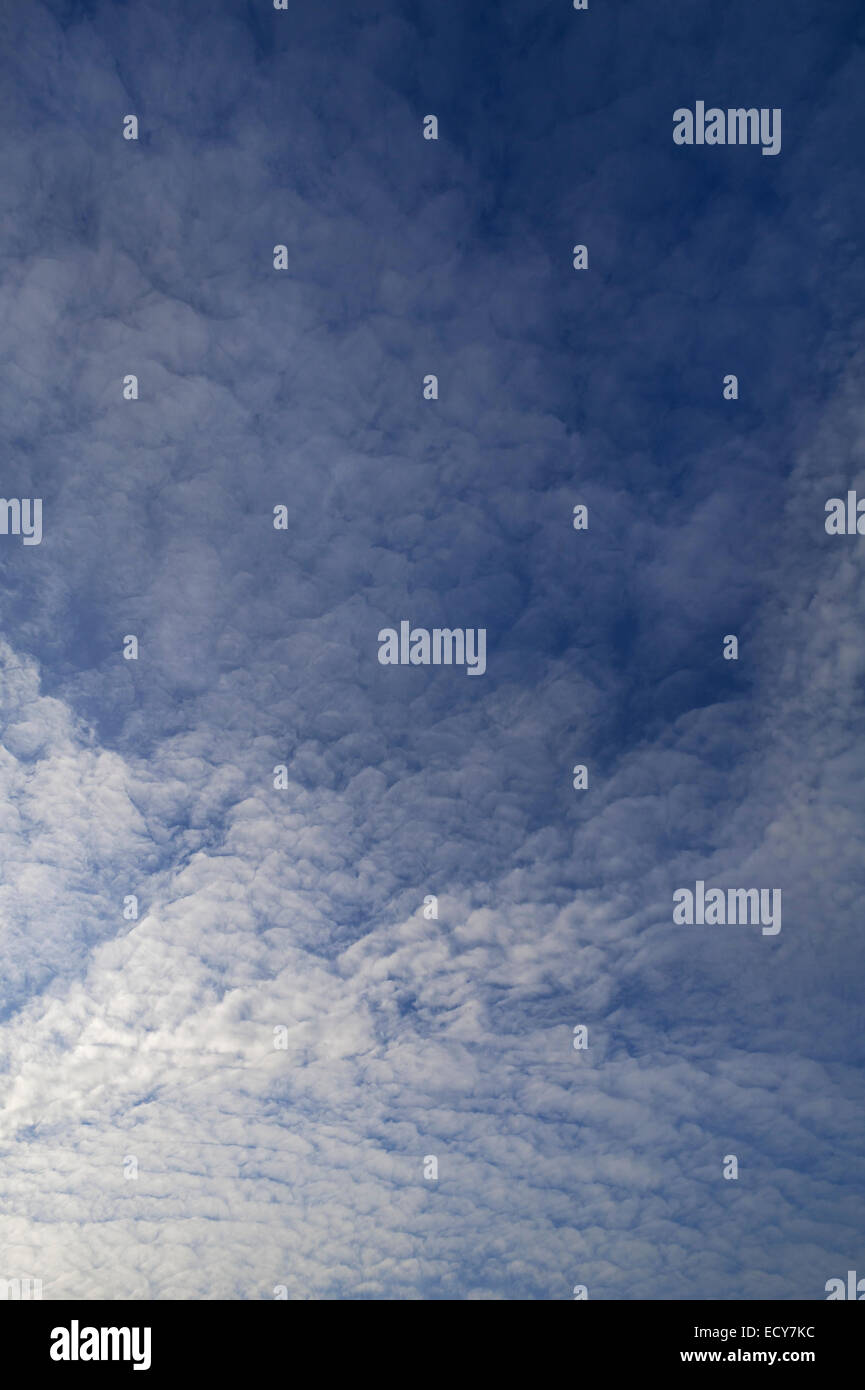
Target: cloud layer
301, 909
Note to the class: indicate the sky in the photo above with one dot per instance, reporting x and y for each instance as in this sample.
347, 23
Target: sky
155, 1142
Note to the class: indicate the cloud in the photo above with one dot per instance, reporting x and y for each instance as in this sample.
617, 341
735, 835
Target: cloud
301, 909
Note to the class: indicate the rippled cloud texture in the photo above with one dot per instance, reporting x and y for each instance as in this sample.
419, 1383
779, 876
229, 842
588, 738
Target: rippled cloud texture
302, 908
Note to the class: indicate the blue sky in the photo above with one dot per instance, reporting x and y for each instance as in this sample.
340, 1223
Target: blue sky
301, 907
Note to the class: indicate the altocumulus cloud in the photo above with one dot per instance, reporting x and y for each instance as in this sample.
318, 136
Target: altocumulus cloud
300, 908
